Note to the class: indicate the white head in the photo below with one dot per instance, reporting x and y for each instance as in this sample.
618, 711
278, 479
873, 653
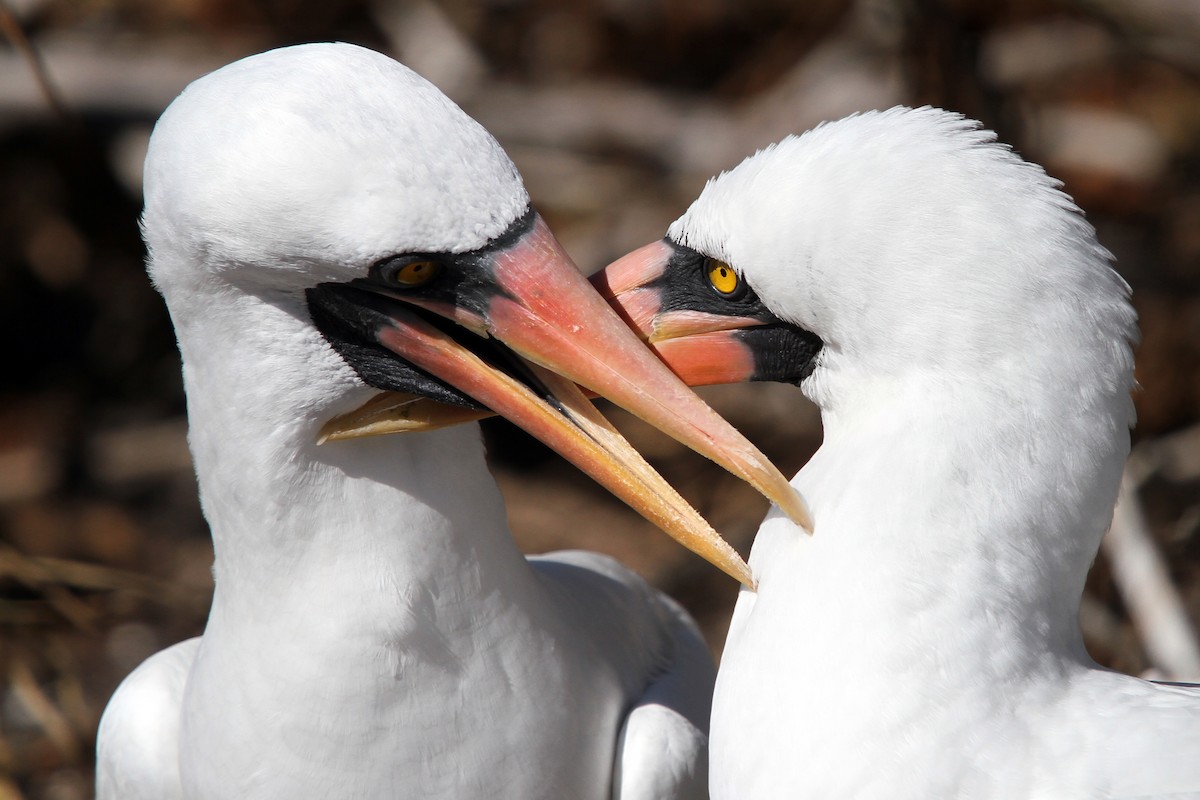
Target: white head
238, 163
912, 243
944, 303
323, 223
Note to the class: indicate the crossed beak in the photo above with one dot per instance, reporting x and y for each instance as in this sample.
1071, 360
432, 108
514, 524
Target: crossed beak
515, 329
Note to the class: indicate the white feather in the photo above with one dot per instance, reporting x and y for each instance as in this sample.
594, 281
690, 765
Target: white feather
975, 392
375, 632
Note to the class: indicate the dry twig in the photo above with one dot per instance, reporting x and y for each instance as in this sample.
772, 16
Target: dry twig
1145, 584
12, 29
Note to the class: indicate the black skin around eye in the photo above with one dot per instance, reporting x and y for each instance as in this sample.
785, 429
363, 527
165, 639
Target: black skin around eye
685, 286
465, 280
783, 352
346, 316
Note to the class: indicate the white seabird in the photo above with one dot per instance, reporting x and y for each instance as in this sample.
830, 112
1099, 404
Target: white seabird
970, 348
319, 218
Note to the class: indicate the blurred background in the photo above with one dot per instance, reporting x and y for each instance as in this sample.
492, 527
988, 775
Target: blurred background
616, 111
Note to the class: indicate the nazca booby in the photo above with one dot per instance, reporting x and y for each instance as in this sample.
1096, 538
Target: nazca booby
952, 314
322, 224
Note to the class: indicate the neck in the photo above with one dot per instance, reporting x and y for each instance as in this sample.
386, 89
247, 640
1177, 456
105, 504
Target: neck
365, 590
361, 526
961, 499
940, 590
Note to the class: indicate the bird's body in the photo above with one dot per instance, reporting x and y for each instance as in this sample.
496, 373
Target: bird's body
920, 661
375, 632
436, 661
974, 375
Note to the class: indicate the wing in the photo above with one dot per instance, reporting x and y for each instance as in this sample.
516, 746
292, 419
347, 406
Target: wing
1156, 742
137, 747
662, 747
1141, 738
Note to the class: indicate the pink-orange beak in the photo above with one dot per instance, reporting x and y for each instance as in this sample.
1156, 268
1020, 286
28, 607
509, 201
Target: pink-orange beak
555, 331
698, 346
704, 322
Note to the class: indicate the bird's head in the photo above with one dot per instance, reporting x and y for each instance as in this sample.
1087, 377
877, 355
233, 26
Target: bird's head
315, 163
334, 184
889, 247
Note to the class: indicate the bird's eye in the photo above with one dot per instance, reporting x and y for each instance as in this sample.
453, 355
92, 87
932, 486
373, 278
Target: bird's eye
414, 273
722, 277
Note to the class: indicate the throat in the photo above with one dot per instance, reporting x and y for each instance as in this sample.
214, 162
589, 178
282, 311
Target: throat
377, 574
361, 525
349, 528
348, 618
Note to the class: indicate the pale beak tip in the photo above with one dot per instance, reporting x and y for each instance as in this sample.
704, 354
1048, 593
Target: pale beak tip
732, 565
798, 512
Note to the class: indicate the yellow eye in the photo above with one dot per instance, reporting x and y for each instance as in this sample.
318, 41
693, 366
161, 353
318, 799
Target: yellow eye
416, 273
722, 277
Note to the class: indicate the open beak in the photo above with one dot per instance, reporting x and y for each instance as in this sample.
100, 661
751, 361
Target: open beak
528, 328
